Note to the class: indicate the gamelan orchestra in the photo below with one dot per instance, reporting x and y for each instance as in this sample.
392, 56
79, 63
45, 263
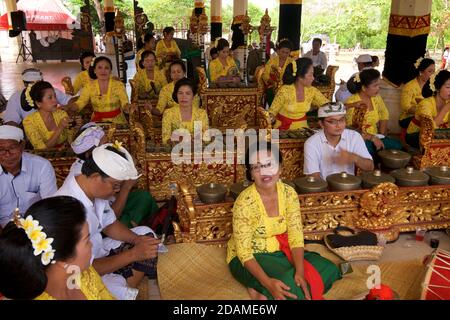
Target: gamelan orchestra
246, 154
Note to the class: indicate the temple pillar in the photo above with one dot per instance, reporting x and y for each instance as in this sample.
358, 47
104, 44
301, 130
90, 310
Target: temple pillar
108, 9
239, 9
216, 19
13, 43
409, 25
290, 23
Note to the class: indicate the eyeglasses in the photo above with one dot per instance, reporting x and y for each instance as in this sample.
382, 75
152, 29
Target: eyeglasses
259, 166
12, 150
335, 122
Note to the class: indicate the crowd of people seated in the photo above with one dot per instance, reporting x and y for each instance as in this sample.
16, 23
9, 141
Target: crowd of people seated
95, 219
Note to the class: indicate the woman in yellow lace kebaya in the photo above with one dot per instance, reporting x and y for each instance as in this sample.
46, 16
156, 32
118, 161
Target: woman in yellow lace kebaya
46, 255
149, 80
412, 91
165, 100
367, 86
275, 67
147, 42
108, 96
49, 126
186, 115
436, 106
82, 79
223, 69
167, 49
266, 250
296, 96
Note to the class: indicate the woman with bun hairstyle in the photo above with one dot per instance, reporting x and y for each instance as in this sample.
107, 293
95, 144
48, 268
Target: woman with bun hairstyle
49, 126
83, 79
412, 91
367, 86
296, 96
436, 106
149, 79
275, 67
47, 254
107, 95
223, 69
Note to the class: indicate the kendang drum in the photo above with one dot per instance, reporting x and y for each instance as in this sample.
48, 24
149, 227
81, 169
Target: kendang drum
436, 284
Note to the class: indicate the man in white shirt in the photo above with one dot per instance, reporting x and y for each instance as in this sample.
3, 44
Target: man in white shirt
364, 61
102, 176
24, 178
18, 108
334, 148
318, 57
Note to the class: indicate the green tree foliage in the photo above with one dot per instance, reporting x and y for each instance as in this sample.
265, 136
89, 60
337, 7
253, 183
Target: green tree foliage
347, 22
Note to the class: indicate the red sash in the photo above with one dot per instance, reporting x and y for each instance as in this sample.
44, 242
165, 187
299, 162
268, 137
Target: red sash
312, 276
99, 116
415, 121
286, 122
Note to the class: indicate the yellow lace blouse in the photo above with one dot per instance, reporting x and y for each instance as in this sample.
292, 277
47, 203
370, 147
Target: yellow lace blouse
255, 232
217, 69
377, 114
286, 104
165, 100
172, 121
38, 133
162, 48
81, 80
410, 98
143, 83
91, 286
428, 108
115, 98
276, 63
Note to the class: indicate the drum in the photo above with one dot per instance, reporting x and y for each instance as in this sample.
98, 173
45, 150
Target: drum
436, 285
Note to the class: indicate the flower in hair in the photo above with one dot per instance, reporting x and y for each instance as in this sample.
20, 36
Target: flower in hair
41, 244
117, 145
432, 80
92, 62
417, 63
294, 68
28, 96
357, 78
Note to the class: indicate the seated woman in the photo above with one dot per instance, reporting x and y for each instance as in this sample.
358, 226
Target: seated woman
167, 49
49, 126
42, 254
147, 42
165, 101
223, 69
412, 91
296, 96
275, 67
107, 96
130, 207
149, 80
367, 86
82, 79
266, 250
436, 106
185, 114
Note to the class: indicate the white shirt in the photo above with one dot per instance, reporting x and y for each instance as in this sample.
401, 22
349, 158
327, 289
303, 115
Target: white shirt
35, 181
14, 111
99, 214
75, 169
318, 60
319, 154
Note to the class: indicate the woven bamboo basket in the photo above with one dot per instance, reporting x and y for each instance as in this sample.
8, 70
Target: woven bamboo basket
356, 253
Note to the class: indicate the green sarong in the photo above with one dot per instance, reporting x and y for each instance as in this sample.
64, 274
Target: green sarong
140, 204
276, 265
